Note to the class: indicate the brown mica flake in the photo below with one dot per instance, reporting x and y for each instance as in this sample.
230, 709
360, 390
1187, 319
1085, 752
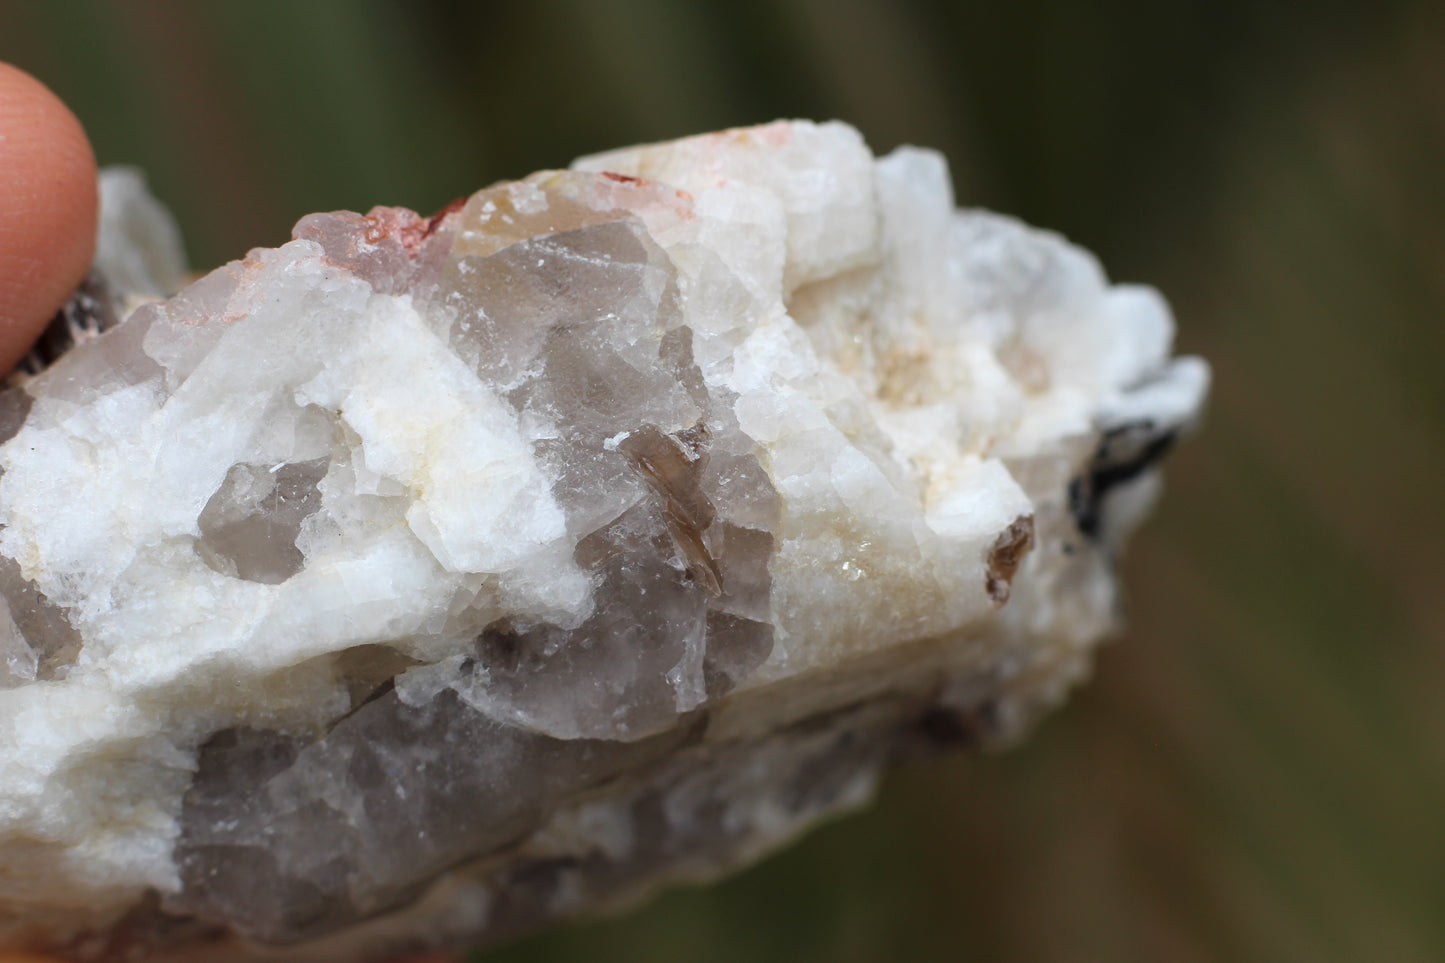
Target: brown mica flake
1004, 558
672, 465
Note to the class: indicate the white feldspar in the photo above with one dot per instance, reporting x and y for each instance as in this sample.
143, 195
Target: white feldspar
425, 579
138, 243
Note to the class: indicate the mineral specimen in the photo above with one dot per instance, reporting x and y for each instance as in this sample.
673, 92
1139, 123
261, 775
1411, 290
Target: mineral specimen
425, 579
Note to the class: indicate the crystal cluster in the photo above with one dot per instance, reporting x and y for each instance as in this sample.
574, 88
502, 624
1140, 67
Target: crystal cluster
425, 579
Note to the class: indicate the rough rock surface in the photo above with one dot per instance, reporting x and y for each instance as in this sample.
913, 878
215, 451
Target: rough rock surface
425, 579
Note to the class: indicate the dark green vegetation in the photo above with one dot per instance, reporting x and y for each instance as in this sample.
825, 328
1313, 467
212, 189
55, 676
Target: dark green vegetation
1258, 770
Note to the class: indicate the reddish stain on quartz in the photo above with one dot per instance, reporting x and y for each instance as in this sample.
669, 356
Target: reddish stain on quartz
406, 226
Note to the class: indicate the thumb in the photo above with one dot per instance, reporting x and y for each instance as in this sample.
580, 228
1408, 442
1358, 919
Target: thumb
47, 209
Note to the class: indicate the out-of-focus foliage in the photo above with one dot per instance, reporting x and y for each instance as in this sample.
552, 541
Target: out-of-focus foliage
1258, 770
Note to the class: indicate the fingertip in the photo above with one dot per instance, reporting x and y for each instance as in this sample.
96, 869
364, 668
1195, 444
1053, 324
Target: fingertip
48, 207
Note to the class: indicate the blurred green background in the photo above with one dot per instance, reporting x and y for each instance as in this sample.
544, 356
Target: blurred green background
1257, 771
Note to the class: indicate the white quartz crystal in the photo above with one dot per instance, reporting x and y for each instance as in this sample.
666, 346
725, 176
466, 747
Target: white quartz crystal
425, 579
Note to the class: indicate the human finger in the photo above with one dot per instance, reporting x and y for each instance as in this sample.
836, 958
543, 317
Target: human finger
47, 209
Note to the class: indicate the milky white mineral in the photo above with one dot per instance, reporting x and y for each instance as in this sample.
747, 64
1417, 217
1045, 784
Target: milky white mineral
426, 579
